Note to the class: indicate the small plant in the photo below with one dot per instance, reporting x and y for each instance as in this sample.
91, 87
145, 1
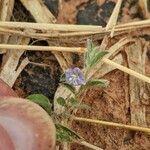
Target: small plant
76, 81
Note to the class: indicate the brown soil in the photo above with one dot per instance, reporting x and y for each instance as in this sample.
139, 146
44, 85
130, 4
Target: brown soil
112, 103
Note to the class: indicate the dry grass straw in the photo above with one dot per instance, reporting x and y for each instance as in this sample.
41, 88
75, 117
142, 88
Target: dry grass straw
42, 48
144, 8
127, 70
6, 8
66, 36
44, 17
79, 50
118, 125
71, 28
68, 30
113, 19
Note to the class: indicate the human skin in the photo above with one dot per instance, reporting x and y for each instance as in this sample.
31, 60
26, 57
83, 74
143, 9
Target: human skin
23, 124
5, 90
5, 141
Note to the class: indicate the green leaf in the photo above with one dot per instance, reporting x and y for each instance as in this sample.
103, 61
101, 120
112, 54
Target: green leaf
89, 45
100, 82
98, 56
41, 100
70, 87
94, 51
61, 101
87, 54
65, 134
92, 55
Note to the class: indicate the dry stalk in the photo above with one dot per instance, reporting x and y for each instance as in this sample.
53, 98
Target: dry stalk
6, 8
47, 19
39, 11
118, 125
136, 62
141, 24
88, 145
43, 34
144, 8
127, 70
10, 70
42, 48
49, 27
80, 50
105, 69
99, 34
71, 28
114, 16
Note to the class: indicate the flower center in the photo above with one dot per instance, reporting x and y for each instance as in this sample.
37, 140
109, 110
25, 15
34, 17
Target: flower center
73, 77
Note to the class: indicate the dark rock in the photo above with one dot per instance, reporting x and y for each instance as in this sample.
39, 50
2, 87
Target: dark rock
52, 6
138, 14
148, 54
90, 15
20, 13
75, 58
132, 3
107, 9
40, 80
146, 37
148, 5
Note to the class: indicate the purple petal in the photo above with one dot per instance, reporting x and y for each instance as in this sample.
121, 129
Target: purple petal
74, 77
68, 73
81, 82
80, 75
76, 70
81, 78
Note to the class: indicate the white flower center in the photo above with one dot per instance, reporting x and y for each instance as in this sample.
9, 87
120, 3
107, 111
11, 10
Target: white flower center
73, 77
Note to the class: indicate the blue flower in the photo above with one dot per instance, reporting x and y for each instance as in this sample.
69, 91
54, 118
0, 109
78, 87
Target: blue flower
74, 77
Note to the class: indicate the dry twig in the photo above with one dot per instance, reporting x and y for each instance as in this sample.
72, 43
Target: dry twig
118, 125
144, 8
6, 8
45, 17
127, 70
42, 48
114, 16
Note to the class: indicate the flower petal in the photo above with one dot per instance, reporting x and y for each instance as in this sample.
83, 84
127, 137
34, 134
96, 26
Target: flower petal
74, 77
